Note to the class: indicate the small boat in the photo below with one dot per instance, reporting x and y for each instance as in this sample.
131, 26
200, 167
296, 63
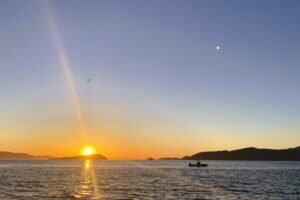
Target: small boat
198, 164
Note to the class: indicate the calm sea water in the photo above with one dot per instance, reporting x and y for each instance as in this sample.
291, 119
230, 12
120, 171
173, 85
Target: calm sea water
148, 180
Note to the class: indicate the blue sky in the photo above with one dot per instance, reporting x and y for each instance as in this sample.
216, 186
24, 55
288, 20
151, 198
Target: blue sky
155, 73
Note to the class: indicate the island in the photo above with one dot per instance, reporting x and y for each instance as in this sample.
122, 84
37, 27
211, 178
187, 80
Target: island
6, 155
250, 153
169, 158
93, 157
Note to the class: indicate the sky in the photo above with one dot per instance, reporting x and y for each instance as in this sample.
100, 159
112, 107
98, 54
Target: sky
166, 78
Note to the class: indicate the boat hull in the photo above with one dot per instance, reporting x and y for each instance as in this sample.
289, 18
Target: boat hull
196, 165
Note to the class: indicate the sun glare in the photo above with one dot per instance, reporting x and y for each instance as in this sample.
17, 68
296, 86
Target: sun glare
87, 151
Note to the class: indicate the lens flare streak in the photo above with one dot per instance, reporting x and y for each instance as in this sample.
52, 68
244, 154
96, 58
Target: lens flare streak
65, 63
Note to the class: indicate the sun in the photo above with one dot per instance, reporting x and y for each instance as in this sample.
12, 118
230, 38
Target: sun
87, 151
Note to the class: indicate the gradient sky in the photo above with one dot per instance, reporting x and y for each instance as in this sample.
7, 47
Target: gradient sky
158, 85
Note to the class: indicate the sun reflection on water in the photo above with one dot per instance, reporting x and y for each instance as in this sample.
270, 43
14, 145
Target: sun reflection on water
88, 186
87, 164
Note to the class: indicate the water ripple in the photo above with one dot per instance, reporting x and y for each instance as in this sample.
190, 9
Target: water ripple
148, 180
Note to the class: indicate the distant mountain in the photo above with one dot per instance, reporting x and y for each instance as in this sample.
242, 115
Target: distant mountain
251, 153
150, 159
5, 155
169, 158
95, 157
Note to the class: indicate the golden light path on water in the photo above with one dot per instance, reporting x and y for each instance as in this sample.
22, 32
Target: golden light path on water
65, 63
88, 187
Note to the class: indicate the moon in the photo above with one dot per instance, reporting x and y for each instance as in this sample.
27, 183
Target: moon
218, 48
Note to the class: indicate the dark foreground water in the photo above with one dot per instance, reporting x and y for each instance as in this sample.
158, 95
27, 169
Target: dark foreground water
148, 180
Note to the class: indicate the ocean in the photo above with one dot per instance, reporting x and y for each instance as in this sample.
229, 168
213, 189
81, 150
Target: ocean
88, 179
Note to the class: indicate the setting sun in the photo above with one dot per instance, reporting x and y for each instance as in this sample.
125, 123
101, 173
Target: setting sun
87, 151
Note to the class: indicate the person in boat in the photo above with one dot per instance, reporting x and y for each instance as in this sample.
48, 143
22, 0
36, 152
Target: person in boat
198, 163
